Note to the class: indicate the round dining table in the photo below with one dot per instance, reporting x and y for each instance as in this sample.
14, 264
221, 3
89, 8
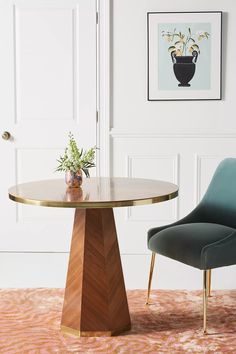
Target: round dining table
95, 301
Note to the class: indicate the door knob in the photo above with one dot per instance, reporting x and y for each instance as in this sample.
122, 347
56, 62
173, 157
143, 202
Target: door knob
6, 135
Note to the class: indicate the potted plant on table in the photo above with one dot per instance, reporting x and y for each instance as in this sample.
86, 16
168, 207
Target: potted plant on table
74, 162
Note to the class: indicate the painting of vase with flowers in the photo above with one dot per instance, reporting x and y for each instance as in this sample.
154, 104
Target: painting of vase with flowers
184, 55
184, 50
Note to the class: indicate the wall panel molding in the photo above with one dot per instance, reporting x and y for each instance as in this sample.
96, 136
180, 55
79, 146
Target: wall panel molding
174, 179
126, 135
199, 172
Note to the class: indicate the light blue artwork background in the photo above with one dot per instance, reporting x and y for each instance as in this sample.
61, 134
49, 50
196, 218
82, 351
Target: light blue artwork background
202, 76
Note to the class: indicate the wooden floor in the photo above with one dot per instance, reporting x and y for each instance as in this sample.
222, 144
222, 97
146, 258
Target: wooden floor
30, 323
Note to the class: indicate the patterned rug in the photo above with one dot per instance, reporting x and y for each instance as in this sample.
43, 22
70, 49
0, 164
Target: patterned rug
30, 320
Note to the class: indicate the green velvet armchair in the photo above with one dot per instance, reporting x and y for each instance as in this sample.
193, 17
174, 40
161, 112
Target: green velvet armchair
206, 238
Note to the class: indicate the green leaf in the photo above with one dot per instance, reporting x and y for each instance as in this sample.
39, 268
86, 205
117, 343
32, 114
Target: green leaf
195, 46
86, 172
171, 49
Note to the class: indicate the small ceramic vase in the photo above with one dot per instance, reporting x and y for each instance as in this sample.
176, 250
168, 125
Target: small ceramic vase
74, 179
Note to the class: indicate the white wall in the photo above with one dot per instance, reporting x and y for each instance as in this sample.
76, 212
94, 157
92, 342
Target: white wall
175, 141
179, 141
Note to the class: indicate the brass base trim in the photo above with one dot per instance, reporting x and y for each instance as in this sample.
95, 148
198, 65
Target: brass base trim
77, 333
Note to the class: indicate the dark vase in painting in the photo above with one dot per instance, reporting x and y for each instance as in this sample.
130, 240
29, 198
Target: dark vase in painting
184, 68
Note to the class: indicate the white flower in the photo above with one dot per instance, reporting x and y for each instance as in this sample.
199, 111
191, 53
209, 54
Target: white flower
167, 35
202, 34
179, 46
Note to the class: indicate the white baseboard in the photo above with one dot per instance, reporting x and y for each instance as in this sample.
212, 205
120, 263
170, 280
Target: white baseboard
20, 270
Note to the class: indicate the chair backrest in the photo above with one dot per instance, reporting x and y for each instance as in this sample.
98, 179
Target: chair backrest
219, 203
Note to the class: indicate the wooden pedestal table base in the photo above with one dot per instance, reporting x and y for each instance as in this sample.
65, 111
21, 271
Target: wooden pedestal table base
95, 302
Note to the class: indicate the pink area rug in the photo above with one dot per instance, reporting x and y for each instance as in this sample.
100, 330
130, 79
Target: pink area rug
30, 321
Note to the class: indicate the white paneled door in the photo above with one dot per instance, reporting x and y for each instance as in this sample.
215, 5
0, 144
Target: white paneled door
47, 88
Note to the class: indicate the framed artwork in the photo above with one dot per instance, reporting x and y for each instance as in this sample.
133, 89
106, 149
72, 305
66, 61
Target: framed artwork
184, 55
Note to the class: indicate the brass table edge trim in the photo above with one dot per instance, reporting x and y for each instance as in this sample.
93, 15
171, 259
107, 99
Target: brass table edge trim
77, 333
98, 204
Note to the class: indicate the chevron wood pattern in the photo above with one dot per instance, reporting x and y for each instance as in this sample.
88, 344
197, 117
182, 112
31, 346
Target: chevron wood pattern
95, 302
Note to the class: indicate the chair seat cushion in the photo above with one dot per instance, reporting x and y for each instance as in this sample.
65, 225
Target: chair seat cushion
196, 244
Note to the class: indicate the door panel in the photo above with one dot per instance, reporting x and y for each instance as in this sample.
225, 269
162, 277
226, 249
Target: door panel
47, 88
44, 50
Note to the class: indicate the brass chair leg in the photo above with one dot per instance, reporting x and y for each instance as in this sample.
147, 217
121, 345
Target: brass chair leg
209, 283
205, 298
150, 276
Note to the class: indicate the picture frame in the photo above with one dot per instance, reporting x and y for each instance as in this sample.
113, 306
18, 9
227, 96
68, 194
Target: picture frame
184, 56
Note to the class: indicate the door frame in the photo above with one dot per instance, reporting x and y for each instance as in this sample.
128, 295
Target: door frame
104, 87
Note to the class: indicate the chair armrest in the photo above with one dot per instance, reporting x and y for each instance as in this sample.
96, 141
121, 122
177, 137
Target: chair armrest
219, 254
